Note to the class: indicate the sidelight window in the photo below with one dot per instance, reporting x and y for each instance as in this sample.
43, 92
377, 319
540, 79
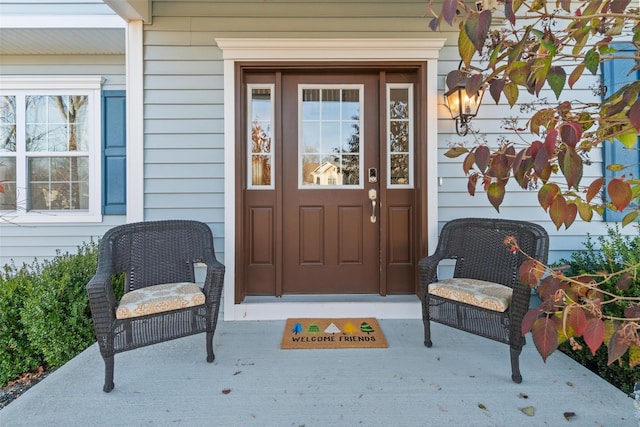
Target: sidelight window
400, 135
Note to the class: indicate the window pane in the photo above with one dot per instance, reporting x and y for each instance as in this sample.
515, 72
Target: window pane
400, 138
8, 123
260, 111
399, 169
330, 127
58, 183
8, 183
56, 123
261, 170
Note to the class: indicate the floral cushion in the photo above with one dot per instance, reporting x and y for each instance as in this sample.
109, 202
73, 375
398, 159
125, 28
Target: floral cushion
159, 298
480, 293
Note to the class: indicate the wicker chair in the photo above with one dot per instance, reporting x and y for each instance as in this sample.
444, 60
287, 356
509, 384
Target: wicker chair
154, 257
489, 310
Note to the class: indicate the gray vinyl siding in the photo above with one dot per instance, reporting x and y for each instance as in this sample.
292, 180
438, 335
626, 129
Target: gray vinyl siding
54, 7
183, 70
22, 243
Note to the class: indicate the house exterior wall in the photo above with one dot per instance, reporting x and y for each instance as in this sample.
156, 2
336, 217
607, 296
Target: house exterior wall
183, 78
21, 243
183, 110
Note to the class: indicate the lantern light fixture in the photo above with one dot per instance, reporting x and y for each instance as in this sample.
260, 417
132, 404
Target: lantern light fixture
463, 106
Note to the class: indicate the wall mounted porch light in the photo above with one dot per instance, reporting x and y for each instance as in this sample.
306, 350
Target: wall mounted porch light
463, 106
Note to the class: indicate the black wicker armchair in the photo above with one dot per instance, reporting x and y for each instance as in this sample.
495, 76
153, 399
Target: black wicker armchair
161, 299
485, 296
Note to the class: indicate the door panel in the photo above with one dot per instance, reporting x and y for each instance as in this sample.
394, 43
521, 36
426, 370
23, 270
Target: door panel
331, 134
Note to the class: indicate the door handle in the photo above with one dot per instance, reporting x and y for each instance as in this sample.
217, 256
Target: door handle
373, 195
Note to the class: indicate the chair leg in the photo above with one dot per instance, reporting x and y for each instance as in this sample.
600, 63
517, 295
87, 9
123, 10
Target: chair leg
427, 324
210, 356
515, 365
108, 374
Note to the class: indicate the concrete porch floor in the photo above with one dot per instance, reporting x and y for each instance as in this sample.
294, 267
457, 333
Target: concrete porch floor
463, 380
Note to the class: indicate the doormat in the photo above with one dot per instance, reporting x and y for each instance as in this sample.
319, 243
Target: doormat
333, 333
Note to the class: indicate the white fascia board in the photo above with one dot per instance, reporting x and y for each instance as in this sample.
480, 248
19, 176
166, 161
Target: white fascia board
60, 21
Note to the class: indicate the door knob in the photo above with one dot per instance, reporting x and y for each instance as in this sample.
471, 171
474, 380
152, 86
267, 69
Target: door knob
373, 195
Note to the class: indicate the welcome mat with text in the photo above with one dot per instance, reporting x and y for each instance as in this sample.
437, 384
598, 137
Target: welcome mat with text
333, 333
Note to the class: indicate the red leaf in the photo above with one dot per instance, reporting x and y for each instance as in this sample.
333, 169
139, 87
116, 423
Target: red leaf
570, 214
449, 9
548, 287
572, 168
619, 193
528, 319
471, 184
477, 28
530, 272
545, 336
482, 157
542, 160
617, 347
570, 133
550, 141
495, 193
558, 211
594, 334
624, 281
634, 114
495, 89
594, 189
547, 194
468, 162
577, 320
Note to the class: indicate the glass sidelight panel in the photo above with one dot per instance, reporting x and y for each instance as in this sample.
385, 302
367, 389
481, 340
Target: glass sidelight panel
260, 136
330, 132
400, 136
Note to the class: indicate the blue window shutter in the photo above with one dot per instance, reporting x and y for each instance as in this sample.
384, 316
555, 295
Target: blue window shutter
615, 74
114, 151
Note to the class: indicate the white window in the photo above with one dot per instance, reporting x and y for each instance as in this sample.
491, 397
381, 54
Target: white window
260, 136
50, 149
400, 135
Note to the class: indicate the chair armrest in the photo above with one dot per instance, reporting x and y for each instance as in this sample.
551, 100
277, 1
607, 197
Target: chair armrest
102, 301
214, 278
428, 268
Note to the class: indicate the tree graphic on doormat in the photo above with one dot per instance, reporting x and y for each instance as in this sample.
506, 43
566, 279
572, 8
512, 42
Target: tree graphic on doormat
365, 327
349, 328
313, 329
297, 328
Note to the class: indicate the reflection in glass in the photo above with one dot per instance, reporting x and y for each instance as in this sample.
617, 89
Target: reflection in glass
261, 119
400, 137
8, 182
8, 123
330, 130
56, 123
58, 183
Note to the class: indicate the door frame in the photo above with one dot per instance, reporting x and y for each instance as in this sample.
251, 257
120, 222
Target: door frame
235, 51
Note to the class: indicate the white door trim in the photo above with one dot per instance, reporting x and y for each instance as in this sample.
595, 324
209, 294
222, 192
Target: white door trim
251, 49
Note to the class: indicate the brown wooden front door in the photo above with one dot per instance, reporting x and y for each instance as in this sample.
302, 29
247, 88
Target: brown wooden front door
330, 190
330, 228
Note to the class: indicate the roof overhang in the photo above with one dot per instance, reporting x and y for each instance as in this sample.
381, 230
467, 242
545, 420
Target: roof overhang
132, 10
62, 35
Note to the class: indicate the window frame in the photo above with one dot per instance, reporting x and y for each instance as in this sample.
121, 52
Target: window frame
411, 125
22, 86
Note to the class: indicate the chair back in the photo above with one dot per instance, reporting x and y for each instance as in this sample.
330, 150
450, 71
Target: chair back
155, 252
477, 245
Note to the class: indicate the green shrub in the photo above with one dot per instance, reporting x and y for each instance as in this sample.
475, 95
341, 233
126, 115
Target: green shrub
611, 253
17, 354
56, 313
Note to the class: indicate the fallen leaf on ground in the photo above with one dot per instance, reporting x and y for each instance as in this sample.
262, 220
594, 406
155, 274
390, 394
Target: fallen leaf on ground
523, 396
569, 415
481, 406
529, 410
226, 391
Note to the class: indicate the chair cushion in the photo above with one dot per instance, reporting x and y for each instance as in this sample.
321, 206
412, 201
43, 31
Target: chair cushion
159, 298
489, 295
